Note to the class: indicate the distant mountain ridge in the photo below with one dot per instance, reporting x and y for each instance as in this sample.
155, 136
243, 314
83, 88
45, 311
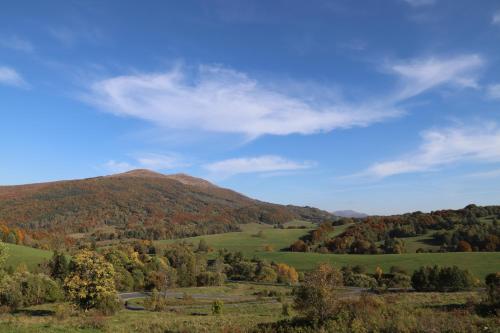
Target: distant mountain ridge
349, 213
138, 204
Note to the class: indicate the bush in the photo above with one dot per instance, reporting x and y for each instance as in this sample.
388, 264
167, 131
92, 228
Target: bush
210, 279
359, 280
217, 306
442, 279
156, 302
315, 297
493, 289
25, 289
108, 305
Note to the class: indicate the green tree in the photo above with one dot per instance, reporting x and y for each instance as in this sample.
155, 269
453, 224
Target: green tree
493, 288
316, 297
59, 266
90, 281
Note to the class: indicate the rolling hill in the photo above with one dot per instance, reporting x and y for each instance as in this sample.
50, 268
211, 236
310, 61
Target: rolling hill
138, 204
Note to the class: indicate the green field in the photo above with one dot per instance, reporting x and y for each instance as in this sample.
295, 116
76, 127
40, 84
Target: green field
23, 254
249, 243
479, 263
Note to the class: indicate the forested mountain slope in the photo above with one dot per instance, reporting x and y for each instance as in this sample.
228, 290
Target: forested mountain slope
137, 204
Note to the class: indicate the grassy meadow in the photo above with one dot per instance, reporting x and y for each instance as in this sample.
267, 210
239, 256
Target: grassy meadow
23, 254
251, 243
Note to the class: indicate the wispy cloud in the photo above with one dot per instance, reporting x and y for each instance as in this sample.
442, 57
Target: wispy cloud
16, 43
147, 161
486, 174
116, 166
496, 18
420, 3
78, 32
493, 91
221, 100
441, 147
261, 164
9, 76
422, 74
217, 99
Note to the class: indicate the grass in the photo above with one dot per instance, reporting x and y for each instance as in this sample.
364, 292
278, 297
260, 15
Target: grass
479, 263
249, 243
23, 254
198, 318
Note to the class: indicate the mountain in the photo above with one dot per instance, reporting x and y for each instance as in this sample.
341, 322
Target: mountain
349, 213
137, 204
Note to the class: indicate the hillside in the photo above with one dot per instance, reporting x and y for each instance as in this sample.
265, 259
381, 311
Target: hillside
137, 204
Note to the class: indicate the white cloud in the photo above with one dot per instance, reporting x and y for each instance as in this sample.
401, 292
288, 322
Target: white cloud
420, 3
117, 167
493, 91
16, 43
420, 75
216, 99
496, 18
260, 164
9, 76
147, 161
225, 101
159, 162
441, 147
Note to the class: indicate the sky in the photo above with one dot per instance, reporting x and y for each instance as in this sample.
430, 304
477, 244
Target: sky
382, 107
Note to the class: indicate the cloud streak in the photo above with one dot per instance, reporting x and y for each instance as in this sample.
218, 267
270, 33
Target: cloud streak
225, 101
441, 147
420, 3
147, 161
221, 100
260, 164
16, 43
493, 91
10, 77
420, 75
495, 20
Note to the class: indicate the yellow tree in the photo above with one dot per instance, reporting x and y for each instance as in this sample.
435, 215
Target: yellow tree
287, 274
91, 280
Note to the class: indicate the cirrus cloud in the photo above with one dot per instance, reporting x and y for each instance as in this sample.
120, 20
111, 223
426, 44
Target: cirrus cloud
10, 77
441, 147
221, 100
259, 164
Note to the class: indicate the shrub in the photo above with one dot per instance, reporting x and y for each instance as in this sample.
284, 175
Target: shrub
287, 274
493, 289
441, 279
359, 280
210, 279
25, 289
109, 305
217, 306
315, 297
398, 280
286, 309
155, 302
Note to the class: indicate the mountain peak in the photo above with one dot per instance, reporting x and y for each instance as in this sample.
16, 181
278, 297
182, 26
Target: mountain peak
180, 177
140, 173
190, 180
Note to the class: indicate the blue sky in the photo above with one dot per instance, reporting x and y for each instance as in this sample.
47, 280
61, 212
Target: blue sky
378, 106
